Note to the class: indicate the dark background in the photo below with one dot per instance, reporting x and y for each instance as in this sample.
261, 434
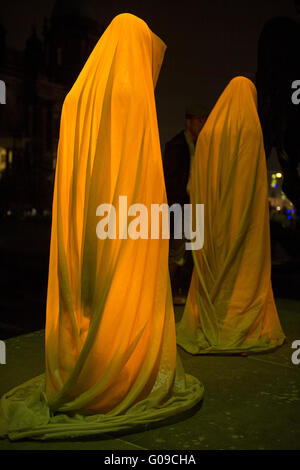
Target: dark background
209, 42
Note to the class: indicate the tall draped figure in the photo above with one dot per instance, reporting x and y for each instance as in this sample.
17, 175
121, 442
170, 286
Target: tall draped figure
230, 306
111, 360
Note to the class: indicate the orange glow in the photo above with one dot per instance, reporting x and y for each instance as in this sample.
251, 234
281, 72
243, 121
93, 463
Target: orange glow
110, 333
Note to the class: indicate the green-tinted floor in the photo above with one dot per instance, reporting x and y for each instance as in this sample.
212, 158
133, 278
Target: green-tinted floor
250, 402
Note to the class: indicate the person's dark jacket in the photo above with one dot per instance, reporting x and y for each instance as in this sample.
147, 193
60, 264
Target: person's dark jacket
176, 163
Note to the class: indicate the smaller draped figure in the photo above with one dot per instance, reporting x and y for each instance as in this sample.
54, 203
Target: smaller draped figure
111, 358
230, 306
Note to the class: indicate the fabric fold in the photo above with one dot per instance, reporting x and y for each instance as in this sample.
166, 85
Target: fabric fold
230, 306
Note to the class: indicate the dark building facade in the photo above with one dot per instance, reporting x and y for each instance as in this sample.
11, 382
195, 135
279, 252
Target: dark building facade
37, 80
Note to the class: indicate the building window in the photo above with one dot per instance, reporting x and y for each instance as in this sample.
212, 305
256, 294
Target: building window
10, 157
2, 160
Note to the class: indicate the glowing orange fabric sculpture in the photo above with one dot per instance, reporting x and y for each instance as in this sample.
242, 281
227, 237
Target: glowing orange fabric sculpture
110, 331
230, 305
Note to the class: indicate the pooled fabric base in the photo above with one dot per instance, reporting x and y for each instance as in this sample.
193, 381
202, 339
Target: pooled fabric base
199, 345
25, 414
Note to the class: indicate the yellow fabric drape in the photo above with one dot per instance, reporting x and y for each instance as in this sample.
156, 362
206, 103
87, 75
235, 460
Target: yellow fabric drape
111, 360
230, 306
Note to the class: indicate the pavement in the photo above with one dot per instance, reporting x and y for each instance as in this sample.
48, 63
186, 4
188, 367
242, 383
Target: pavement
250, 403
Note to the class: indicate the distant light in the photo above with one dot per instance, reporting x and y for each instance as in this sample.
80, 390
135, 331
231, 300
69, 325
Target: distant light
278, 208
289, 216
278, 175
276, 185
288, 211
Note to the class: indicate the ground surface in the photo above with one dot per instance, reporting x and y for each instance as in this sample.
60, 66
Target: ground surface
250, 402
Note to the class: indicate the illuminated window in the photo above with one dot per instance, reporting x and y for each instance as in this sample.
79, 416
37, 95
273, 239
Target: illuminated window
2, 159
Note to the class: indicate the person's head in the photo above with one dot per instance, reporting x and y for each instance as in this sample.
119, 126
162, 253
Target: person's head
195, 120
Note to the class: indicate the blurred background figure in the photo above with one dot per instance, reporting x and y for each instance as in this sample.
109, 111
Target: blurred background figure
178, 156
277, 69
